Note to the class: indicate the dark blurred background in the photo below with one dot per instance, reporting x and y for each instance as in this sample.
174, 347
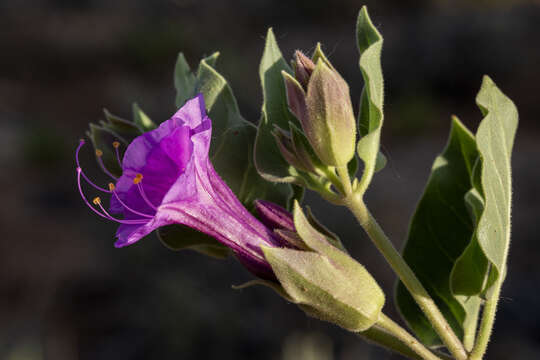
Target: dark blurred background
66, 293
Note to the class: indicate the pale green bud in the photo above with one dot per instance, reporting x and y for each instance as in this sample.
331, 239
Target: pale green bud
324, 281
330, 125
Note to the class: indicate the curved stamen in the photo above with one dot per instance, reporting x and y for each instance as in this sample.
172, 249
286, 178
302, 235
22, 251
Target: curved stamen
79, 169
137, 181
111, 187
79, 172
116, 145
97, 201
99, 154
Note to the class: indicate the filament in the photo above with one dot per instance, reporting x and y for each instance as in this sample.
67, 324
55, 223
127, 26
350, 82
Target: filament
116, 145
137, 181
99, 155
79, 169
111, 187
97, 201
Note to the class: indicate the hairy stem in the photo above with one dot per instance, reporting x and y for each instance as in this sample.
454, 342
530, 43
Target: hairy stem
390, 335
486, 325
356, 205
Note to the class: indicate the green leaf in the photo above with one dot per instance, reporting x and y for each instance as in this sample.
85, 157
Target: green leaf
275, 112
180, 237
495, 139
232, 140
234, 163
220, 101
184, 81
370, 117
439, 233
468, 276
141, 119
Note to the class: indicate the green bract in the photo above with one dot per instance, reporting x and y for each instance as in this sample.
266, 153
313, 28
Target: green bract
326, 282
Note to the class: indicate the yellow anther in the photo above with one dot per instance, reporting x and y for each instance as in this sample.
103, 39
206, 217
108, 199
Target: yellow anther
116, 144
111, 186
99, 152
138, 178
96, 201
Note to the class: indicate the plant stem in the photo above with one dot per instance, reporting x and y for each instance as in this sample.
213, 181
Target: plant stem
356, 205
389, 334
343, 173
407, 276
488, 319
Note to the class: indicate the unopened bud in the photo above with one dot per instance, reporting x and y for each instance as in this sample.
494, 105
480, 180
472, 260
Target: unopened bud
303, 68
285, 144
331, 126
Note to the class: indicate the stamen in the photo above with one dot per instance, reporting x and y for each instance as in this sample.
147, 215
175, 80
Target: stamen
111, 187
79, 169
129, 222
97, 201
99, 154
116, 145
138, 178
137, 181
79, 172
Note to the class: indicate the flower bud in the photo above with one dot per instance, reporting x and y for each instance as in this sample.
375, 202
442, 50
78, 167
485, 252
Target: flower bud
303, 68
319, 98
296, 150
324, 281
285, 144
331, 126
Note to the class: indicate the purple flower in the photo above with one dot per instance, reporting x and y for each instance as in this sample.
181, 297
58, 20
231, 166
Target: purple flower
167, 178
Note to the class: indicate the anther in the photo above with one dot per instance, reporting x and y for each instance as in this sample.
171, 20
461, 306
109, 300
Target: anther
111, 187
96, 200
99, 153
115, 144
137, 179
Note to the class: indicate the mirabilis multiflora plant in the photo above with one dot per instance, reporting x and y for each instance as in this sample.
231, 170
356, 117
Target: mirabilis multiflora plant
208, 180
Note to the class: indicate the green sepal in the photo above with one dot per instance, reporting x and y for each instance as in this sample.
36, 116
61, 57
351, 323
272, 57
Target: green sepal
326, 282
332, 238
141, 119
180, 237
318, 54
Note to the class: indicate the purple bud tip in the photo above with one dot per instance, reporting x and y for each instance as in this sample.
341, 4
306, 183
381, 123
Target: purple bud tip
303, 68
274, 216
